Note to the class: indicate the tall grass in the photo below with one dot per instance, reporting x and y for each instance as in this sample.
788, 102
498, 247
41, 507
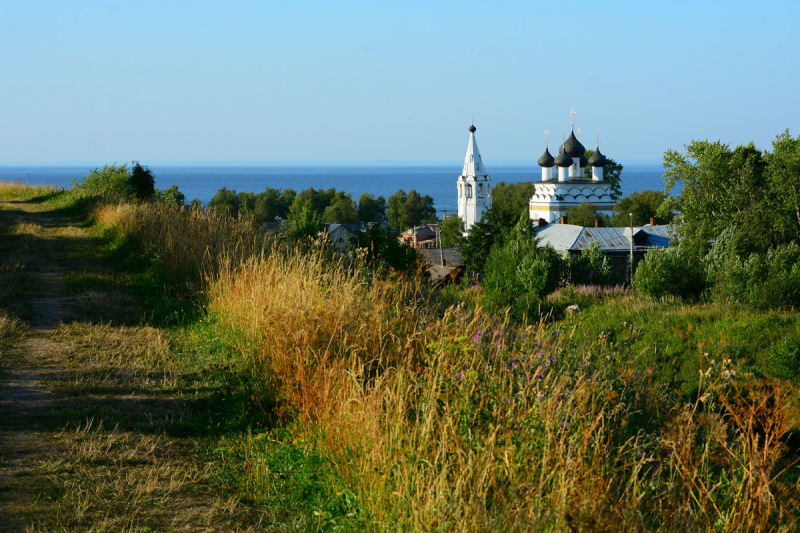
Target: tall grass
455, 420
449, 418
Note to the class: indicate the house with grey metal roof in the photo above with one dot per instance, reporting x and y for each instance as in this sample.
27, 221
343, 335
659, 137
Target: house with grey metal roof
614, 242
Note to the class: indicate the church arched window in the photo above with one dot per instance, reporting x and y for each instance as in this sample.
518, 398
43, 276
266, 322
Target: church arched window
469, 191
459, 190
480, 189
478, 166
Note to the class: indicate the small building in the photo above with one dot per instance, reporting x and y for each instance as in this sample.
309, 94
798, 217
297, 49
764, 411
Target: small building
446, 264
420, 236
340, 234
614, 242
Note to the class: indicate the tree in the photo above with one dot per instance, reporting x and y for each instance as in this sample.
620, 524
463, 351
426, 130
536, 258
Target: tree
384, 250
320, 199
720, 187
783, 169
342, 210
611, 173
643, 205
371, 209
304, 218
111, 182
518, 272
585, 214
225, 202
513, 196
489, 231
170, 196
452, 231
141, 183
273, 204
412, 209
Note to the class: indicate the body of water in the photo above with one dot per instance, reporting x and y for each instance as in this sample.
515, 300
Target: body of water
438, 181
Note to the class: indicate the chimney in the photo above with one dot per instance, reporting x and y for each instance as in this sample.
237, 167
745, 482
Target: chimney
564, 219
598, 223
444, 262
542, 222
653, 221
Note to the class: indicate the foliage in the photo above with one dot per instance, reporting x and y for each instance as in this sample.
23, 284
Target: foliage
304, 217
371, 209
783, 175
408, 210
643, 205
489, 231
612, 173
518, 273
669, 272
111, 182
591, 267
759, 280
585, 214
720, 187
317, 199
513, 197
225, 202
141, 182
383, 250
452, 231
342, 210
170, 196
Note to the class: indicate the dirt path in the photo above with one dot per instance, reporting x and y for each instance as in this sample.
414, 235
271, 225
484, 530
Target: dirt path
90, 405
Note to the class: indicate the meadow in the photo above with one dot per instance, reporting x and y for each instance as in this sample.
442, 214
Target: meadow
340, 398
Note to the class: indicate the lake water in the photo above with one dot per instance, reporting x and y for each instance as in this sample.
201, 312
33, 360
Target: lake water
438, 181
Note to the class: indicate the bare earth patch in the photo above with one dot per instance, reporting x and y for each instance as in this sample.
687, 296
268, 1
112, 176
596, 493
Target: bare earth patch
89, 409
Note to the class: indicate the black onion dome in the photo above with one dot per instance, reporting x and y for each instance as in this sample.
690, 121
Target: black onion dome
472, 128
584, 161
547, 160
598, 159
563, 159
573, 146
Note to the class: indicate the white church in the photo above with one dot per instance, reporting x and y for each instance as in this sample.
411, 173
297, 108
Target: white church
554, 194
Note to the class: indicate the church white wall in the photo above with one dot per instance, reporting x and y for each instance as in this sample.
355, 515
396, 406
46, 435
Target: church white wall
563, 174
597, 173
547, 173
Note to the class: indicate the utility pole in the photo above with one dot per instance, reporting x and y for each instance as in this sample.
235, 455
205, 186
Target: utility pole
630, 275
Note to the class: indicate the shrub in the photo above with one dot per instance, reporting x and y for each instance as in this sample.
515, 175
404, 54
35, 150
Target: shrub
519, 273
591, 267
760, 281
669, 272
141, 182
111, 183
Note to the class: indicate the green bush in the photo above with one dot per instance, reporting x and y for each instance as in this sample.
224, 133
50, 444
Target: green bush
518, 273
591, 267
111, 182
669, 272
760, 280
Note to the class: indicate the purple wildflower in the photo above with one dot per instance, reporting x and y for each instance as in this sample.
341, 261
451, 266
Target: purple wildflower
539, 376
492, 356
505, 400
459, 375
478, 335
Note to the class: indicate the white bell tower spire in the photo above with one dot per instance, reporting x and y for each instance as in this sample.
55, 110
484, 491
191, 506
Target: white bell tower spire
474, 185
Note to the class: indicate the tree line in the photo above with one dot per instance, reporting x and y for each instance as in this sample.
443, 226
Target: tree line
315, 206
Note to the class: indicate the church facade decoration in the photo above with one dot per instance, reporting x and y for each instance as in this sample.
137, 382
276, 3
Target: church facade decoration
570, 188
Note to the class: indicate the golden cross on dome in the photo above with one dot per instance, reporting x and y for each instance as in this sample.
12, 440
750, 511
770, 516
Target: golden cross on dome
598, 138
546, 137
572, 114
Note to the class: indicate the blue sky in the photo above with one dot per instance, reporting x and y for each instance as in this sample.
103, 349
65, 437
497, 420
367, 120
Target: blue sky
377, 81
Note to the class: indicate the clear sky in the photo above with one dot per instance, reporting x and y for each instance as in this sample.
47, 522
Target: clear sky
260, 81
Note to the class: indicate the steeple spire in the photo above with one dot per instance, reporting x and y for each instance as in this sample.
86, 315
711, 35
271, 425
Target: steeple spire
473, 166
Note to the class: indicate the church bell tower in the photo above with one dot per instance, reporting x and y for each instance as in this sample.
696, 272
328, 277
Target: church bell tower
474, 185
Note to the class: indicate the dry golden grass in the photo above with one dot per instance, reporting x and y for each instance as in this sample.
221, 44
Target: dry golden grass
102, 355
187, 243
451, 419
